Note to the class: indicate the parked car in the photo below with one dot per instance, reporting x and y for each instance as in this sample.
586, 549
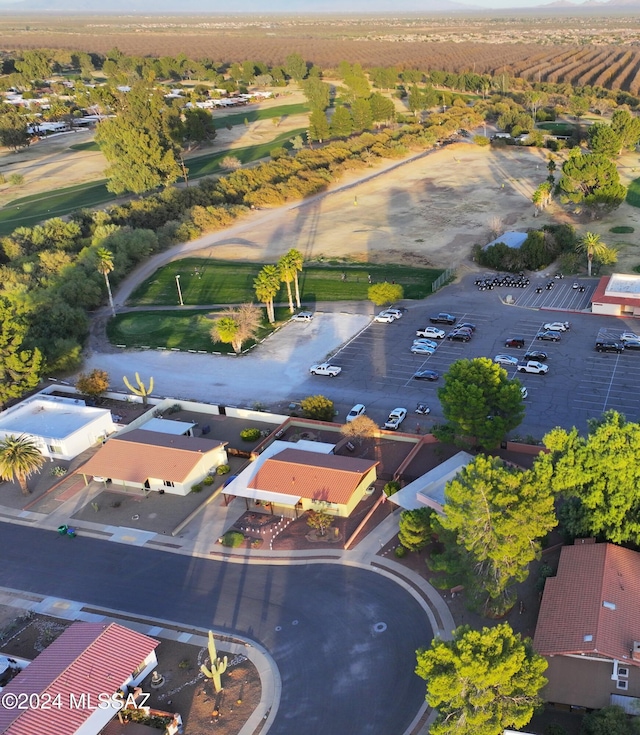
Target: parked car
426, 375
524, 392
628, 336
467, 325
549, 335
631, 344
428, 342
386, 317
358, 410
538, 355
422, 409
302, 316
532, 366
443, 318
609, 345
324, 368
465, 330
557, 326
506, 360
514, 342
432, 332
421, 349
398, 313
459, 336
396, 417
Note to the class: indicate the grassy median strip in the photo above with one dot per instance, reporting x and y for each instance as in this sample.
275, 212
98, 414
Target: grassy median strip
205, 281
176, 330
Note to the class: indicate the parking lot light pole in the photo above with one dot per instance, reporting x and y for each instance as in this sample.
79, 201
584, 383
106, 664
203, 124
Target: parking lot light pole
179, 290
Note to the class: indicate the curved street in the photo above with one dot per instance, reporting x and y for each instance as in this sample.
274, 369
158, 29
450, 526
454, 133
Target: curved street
343, 638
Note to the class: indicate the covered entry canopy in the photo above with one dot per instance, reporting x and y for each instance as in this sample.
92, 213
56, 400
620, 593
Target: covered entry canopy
240, 486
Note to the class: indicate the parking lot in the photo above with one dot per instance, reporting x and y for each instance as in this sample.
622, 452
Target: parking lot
378, 367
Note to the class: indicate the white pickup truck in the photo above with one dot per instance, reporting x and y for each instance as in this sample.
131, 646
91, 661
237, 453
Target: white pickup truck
532, 366
324, 368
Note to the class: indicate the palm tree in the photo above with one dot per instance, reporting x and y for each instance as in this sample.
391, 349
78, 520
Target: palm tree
19, 459
266, 286
288, 271
592, 245
297, 260
105, 266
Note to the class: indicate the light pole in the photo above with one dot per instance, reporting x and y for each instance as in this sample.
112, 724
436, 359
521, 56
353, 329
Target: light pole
179, 291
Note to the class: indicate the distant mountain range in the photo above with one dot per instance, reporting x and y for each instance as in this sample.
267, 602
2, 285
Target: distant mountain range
171, 7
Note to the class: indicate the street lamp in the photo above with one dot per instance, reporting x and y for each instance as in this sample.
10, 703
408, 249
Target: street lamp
179, 291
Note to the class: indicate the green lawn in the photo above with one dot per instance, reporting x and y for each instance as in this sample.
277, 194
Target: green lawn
262, 114
30, 210
89, 145
205, 281
557, 128
633, 193
183, 330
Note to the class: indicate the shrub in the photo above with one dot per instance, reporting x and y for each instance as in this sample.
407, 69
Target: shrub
58, 471
223, 469
196, 488
233, 539
318, 407
249, 435
400, 552
622, 230
481, 140
391, 488
16, 179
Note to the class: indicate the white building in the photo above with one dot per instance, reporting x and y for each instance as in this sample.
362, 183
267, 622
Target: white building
617, 295
61, 427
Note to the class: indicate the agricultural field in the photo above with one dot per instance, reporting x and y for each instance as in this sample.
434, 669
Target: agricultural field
580, 49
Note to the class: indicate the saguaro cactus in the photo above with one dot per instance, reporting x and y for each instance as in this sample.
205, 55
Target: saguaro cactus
218, 665
141, 390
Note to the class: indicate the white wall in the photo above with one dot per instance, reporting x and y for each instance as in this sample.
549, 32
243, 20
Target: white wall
609, 309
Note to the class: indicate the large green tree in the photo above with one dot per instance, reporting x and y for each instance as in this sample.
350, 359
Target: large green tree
140, 142
318, 126
601, 470
479, 401
19, 459
317, 93
341, 123
611, 720
13, 130
591, 179
498, 516
482, 681
627, 128
19, 368
603, 139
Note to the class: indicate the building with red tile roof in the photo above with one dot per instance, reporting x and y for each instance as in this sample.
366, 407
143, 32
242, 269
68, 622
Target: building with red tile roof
305, 476
153, 460
69, 687
589, 628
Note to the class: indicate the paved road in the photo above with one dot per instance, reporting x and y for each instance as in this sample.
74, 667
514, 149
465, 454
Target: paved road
344, 638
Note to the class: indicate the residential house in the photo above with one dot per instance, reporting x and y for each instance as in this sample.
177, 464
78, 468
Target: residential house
77, 676
589, 628
61, 427
150, 460
296, 477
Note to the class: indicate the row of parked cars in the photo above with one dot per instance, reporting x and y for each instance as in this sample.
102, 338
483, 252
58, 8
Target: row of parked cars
626, 341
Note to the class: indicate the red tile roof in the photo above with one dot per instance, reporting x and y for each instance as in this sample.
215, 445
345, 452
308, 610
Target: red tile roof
312, 475
139, 455
591, 605
89, 658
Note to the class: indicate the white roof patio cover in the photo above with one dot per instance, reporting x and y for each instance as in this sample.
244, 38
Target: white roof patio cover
239, 486
429, 488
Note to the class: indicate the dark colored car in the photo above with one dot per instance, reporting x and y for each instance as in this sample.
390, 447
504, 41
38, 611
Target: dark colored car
459, 336
632, 344
514, 342
609, 346
426, 375
549, 336
443, 318
535, 355
467, 325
